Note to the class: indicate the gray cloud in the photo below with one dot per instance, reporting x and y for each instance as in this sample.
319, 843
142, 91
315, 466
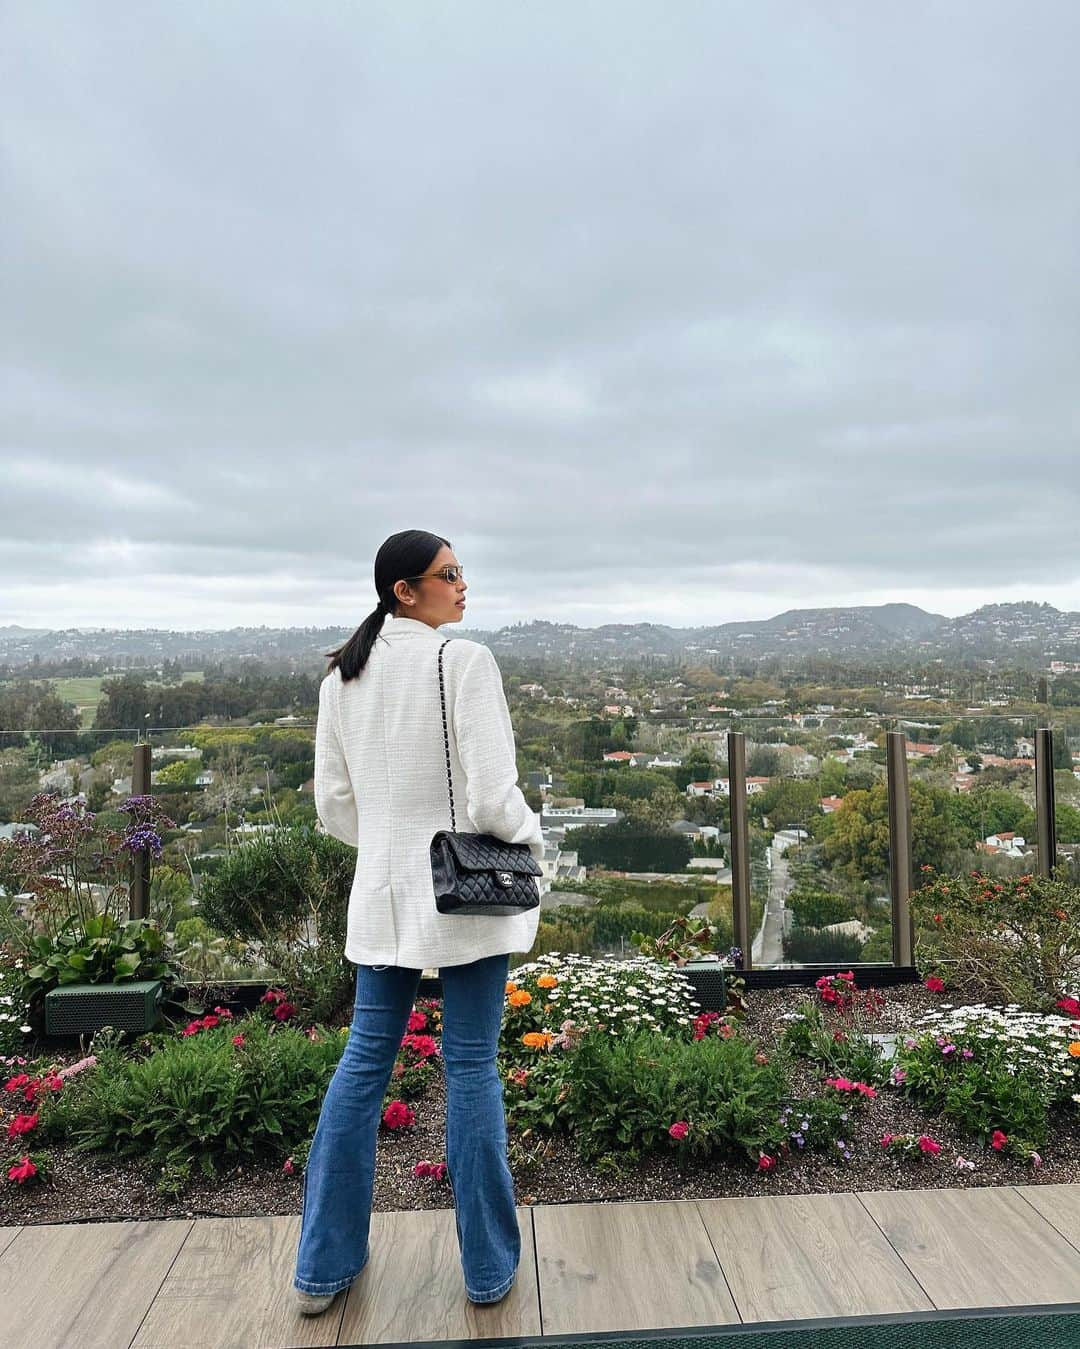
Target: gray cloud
662, 313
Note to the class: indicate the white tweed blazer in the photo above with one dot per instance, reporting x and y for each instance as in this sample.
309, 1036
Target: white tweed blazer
380, 785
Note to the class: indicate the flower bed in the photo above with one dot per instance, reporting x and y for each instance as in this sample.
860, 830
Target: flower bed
615, 1088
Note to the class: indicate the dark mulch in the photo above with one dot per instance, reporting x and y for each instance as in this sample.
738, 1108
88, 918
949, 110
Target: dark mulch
93, 1187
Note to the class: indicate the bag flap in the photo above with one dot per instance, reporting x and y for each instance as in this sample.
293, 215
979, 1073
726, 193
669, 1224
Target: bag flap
485, 852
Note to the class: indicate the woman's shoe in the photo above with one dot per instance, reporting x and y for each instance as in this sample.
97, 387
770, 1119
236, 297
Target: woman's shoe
311, 1304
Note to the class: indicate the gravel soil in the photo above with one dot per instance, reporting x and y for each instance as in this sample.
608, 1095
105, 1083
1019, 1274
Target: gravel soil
93, 1187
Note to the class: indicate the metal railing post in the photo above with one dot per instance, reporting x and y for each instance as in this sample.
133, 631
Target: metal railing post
740, 847
1045, 821
903, 928
140, 881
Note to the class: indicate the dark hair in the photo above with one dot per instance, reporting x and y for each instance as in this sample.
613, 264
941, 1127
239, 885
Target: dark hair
404, 555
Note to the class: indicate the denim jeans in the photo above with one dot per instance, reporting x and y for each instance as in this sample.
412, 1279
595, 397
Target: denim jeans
340, 1174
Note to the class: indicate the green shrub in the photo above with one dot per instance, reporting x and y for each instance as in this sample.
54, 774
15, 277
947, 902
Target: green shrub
809, 947
854, 1055
270, 890
626, 1091
819, 908
1011, 939
199, 1101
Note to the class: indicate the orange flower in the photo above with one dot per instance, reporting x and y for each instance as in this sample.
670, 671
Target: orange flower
536, 1039
520, 998
547, 981
1060, 913
511, 987
1074, 1049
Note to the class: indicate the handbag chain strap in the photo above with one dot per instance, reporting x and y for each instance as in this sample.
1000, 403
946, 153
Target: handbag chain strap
446, 737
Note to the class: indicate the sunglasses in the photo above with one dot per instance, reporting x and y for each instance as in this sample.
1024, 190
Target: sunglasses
449, 574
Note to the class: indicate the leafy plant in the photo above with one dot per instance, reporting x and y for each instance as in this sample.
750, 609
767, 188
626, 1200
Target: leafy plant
974, 1072
844, 1052
200, 1102
626, 1093
288, 891
97, 950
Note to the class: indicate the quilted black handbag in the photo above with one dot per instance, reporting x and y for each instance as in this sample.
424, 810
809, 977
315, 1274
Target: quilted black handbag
479, 873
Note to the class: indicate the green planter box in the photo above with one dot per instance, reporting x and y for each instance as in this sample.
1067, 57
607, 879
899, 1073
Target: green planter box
73, 1009
709, 979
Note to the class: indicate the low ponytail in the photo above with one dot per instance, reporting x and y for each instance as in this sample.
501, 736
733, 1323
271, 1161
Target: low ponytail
402, 557
351, 657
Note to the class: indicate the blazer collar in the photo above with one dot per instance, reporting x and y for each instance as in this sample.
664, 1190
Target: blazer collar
393, 626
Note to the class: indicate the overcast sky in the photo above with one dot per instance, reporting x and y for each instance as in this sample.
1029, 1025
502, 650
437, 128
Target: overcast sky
659, 312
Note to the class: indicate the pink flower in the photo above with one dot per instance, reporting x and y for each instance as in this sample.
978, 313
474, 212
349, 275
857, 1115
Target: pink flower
1070, 1005
886, 1139
75, 1068
899, 1075
929, 1146
1036, 1160
765, 1162
962, 1164
22, 1124
436, 1170
239, 1040
22, 1171
967, 1053
423, 1046
845, 1084
998, 1139
398, 1115
289, 1166
679, 1129
934, 984
417, 1021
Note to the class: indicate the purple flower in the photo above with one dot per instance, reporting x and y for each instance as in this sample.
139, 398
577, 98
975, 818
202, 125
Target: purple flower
142, 838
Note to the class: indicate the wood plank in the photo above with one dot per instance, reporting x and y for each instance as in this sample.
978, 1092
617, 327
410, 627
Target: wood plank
232, 1285
788, 1257
7, 1236
628, 1266
1058, 1204
85, 1284
413, 1287
981, 1247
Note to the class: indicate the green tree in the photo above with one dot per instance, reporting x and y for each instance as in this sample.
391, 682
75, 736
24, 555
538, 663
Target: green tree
629, 846
858, 841
179, 773
832, 780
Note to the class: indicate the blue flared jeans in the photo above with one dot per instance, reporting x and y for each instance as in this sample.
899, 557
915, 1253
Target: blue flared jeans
340, 1174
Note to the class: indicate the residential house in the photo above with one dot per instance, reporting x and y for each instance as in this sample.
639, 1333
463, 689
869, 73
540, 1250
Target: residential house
1009, 843
830, 803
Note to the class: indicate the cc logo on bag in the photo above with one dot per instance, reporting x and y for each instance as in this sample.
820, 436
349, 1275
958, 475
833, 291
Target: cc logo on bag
505, 879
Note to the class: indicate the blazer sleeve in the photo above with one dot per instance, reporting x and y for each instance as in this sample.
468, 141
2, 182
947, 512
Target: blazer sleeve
485, 744
335, 803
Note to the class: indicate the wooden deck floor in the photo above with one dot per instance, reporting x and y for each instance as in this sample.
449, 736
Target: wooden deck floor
226, 1283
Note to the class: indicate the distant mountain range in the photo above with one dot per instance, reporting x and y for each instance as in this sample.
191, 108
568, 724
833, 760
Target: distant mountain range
1027, 633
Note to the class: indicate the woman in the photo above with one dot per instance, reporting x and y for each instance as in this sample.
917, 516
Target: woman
381, 785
